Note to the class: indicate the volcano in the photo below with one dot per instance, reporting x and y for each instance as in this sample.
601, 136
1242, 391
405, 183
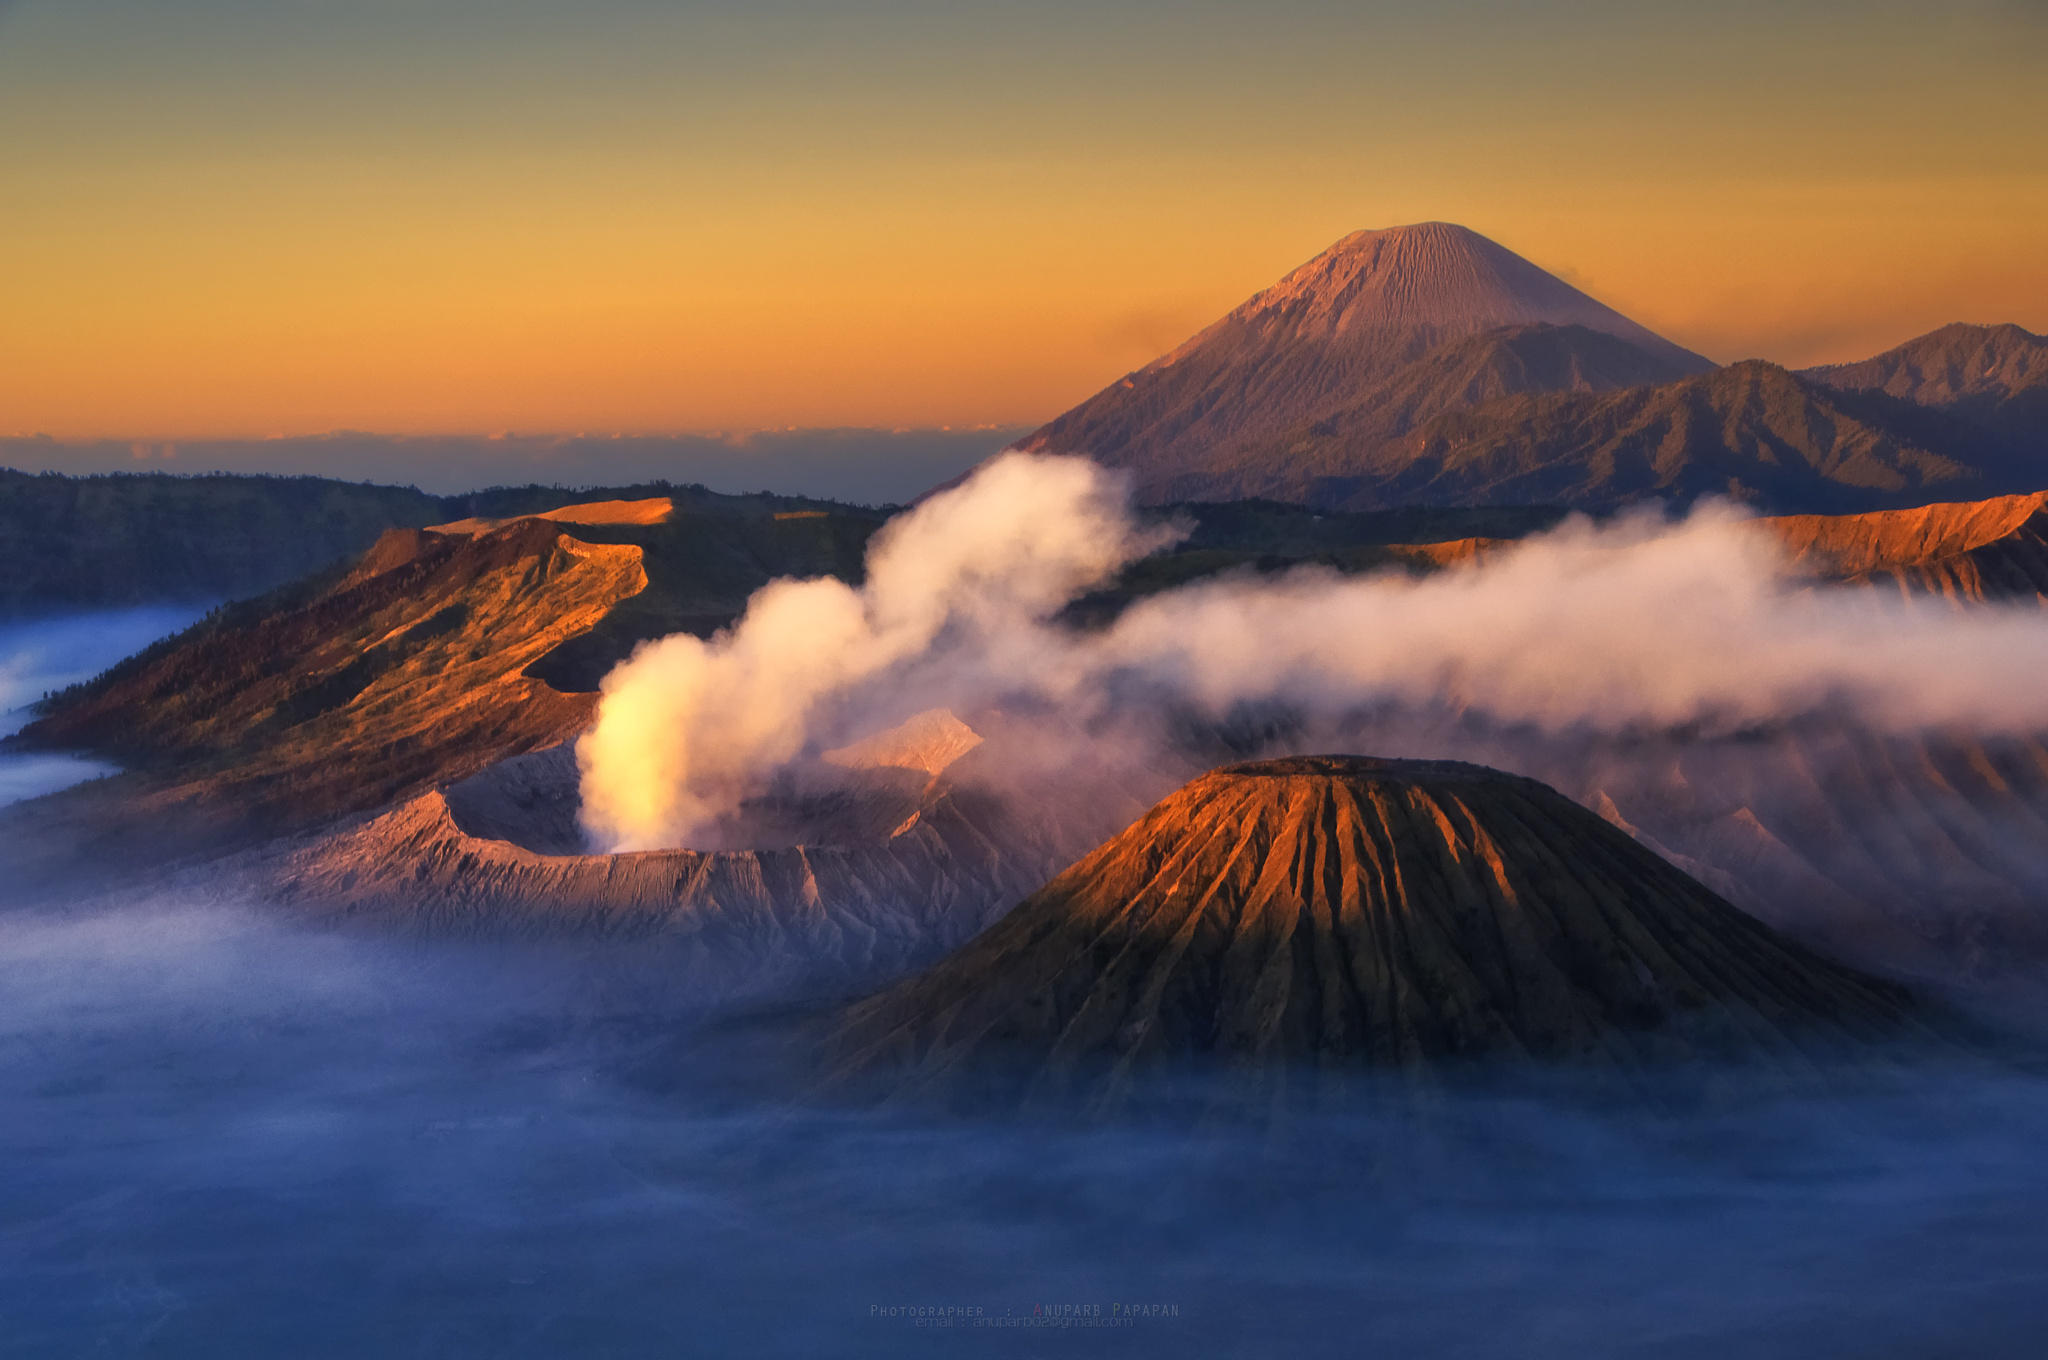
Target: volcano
1436, 278
1334, 346
1345, 911
1429, 366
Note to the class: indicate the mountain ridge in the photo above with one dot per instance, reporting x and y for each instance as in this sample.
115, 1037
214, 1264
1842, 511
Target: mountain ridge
1948, 364
1428, 366
1751, 430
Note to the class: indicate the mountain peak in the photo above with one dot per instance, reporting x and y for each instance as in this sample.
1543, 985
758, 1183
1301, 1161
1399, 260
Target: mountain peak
1221, 416
1417, 241
1348, 910
1438, 278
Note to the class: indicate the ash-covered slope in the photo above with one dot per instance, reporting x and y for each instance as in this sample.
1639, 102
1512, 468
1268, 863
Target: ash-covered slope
852, 878
1344, 910
1368, 441
1213, 419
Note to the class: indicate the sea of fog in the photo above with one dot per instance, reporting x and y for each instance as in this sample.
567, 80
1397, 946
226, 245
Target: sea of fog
41, 656
224, 1135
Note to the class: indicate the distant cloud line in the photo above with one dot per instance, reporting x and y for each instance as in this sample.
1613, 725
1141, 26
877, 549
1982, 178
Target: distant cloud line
866, 466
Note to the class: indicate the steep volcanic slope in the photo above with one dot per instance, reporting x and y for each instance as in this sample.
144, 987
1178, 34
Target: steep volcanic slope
1919, 854
1368, 440
435, 655
1208, 420
1964, 551
1348, 911
1427, 366
407, 668
1433, 278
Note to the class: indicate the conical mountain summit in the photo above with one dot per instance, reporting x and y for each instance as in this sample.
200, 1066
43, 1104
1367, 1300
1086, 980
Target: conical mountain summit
1352, 912
1334, 347
1432, 281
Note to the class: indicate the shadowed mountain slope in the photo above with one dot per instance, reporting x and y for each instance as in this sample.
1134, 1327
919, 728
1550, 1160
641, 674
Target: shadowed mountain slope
1339, 342
90, 542
69, 543
1368, 437
1343, 910
1955, 364
1960, 413
1752, 431
1978, 391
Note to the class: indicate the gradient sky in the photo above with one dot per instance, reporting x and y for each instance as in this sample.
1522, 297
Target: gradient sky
224, 217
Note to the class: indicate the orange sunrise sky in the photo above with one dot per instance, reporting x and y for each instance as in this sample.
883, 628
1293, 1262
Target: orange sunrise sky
233, 217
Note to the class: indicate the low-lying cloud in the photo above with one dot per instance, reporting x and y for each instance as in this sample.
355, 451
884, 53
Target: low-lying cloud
1638, 624
232, 1136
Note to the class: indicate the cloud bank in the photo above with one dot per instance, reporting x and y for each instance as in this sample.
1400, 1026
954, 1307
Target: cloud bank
1637, 624
867, 466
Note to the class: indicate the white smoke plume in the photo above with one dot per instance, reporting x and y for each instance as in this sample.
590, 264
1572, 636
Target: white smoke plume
1640, 623
686, 728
